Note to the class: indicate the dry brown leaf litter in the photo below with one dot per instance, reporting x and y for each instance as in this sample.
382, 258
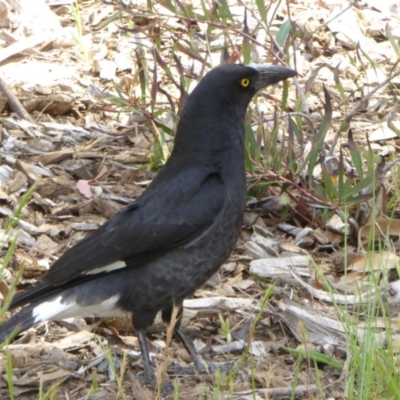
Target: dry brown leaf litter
71, 150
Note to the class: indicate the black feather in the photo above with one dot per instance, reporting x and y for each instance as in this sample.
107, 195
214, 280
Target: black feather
177, 234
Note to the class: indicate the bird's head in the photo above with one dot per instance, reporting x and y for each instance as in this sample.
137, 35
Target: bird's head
236, 84
213, 116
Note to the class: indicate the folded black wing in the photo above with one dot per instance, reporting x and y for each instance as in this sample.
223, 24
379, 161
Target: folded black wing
173, 213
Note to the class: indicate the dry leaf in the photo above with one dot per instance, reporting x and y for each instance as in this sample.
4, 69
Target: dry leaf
84, 188
381, 228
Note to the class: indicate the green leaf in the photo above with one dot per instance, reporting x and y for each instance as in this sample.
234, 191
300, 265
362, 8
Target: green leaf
262, 10
320, 136
283, 33
315, 356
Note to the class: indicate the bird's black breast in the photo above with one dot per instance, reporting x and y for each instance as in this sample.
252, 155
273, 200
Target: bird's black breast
181, 271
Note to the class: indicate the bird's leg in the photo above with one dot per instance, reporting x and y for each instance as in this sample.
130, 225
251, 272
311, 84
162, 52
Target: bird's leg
180, 334
198, 362
149, 376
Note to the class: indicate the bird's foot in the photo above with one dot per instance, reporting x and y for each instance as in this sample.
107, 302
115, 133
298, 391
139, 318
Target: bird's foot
151, 382
167, 388
222, 366
202, 368
177, 369
225, 367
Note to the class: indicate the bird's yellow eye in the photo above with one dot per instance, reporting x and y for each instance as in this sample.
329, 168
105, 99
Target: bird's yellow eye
245, 82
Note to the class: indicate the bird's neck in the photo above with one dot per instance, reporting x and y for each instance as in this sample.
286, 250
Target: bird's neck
227, 161
217, 146
198, 133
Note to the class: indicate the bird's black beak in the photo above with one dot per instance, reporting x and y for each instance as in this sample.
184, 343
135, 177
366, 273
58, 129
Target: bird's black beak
270, 74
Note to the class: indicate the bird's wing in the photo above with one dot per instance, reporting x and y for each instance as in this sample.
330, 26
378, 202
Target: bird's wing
173, 213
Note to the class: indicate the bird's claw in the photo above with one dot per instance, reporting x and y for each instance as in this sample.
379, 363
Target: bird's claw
224, 367
151, 382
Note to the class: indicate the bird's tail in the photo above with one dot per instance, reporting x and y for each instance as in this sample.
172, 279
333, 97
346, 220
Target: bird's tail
28, 316
19, 322
38, 311
61, 306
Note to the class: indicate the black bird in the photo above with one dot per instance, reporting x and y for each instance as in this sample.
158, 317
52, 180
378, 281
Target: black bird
175, 236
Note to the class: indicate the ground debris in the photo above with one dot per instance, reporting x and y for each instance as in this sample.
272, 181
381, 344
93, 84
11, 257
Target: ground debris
88, 159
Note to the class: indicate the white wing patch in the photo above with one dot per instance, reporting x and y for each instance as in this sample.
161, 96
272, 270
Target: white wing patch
56, 309
107, 268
